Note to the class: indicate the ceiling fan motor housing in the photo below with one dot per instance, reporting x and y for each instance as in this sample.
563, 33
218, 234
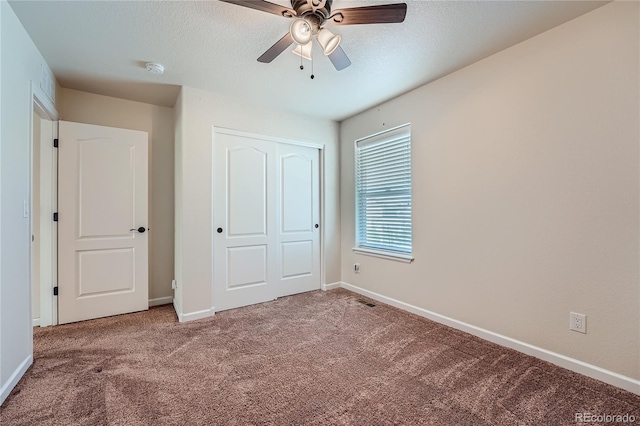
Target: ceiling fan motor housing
314, 11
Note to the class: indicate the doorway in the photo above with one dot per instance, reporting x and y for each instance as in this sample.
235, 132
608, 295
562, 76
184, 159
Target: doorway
104, 270
43, 203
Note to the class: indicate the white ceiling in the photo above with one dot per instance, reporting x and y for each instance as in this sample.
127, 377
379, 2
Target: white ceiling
101, 47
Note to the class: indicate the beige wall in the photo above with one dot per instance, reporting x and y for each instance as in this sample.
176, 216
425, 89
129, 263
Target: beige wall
525, 190
200, 112
158, 121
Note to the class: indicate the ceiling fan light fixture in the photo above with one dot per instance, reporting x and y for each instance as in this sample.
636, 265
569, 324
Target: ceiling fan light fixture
328, 41
304, 50
301, 31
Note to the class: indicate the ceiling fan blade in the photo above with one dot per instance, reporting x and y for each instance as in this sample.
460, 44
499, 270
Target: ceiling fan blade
264, 6
280, 46
381, 14
339, 59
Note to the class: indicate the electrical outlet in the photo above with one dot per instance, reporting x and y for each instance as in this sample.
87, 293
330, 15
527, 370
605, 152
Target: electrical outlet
577, 322
356, 267
174, 284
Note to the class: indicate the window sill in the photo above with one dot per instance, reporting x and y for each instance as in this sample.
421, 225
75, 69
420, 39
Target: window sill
398, 257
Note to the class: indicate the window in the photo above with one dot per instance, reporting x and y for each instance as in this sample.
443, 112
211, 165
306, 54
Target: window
383, 194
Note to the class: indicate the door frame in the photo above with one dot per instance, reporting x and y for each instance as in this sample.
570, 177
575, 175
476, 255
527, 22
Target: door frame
321, 151
46, 109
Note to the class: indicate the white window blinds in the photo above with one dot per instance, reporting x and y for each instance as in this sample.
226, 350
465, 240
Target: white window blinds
383, 191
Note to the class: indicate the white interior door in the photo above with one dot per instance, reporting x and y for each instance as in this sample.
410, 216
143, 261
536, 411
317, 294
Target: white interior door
244, 226
298, 219
102, 202
266, 205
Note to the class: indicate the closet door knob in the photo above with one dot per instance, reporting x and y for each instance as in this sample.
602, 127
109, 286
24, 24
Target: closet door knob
219, 230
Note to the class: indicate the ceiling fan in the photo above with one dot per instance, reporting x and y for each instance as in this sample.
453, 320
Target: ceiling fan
309, 18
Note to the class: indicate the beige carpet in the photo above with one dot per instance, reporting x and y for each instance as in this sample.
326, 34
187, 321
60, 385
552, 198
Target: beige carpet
318, 358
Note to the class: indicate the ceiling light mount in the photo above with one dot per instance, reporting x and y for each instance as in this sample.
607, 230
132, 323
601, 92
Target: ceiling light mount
319, 8
154, 68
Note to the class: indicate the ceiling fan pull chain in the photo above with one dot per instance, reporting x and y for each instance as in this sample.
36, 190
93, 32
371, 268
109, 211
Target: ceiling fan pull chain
312, 76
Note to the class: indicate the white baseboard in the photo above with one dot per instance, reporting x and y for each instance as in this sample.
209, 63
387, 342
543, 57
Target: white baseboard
178, 312
595, 372
331, 286
192, 316
161, 301
15, 378
36, 322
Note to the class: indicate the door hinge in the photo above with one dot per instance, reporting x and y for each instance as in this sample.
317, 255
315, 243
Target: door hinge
55, 217
55, 291
55, 143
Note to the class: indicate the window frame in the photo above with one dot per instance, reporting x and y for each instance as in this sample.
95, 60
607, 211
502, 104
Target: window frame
386, 136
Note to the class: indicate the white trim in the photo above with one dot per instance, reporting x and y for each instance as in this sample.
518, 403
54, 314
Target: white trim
595, 372
45, 107
178, 311
398, 257
36, 322
160, 301
327, 287
15, 378
48, 228
192, 316
43, 103
232, 132
321, 206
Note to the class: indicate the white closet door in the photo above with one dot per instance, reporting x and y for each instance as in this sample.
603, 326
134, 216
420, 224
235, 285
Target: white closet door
298, 219
102, 202
266, 207
244, 226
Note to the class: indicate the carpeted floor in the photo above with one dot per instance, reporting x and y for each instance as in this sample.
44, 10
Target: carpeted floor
318, 358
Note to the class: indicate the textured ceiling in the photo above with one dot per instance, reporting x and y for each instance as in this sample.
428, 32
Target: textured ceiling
101, 47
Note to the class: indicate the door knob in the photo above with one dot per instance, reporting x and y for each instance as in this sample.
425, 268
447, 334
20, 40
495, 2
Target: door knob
317, 225
140, 230
219, 230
